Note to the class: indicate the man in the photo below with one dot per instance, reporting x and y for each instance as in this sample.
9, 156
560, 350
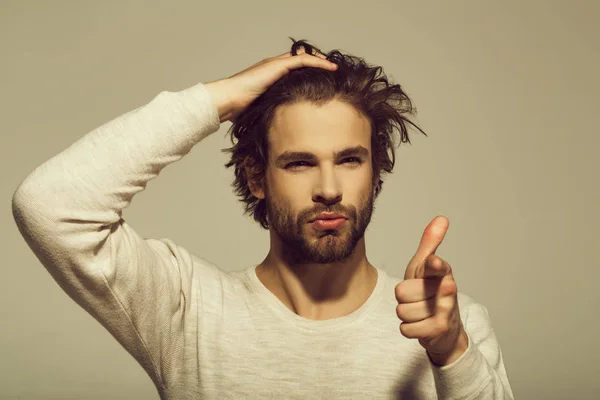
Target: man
315, 319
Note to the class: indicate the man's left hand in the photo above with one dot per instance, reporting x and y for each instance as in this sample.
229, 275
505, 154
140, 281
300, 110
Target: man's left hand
427, 300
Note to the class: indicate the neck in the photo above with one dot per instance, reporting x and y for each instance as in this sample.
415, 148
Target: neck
319, 291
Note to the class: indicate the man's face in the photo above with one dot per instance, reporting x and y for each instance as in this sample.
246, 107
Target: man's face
299, 189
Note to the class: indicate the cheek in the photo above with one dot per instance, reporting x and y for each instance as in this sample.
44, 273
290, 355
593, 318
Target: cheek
361, 184
283, 200
291, 189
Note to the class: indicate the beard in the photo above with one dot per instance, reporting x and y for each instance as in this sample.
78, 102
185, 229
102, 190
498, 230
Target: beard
303, 244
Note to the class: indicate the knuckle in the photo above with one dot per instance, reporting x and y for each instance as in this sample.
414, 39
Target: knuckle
404, 331
399, 310
444, 307
399, 291
449, 286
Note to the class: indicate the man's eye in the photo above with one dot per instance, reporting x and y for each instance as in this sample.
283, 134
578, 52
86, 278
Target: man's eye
358, 160
298, 163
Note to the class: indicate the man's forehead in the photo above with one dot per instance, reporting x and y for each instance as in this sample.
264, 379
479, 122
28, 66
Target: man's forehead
326, 129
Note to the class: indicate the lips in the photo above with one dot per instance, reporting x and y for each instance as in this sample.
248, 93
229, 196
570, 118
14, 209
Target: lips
328, 216
328, 224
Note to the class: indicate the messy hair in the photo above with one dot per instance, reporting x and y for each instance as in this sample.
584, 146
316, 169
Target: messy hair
385, 105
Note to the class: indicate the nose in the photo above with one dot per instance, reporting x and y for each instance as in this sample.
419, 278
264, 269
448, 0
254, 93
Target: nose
328, 189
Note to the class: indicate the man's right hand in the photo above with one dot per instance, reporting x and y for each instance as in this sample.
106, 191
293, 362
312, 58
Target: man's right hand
232, 95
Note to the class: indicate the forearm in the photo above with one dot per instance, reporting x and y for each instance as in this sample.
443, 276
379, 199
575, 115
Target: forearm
66, 208
101, 172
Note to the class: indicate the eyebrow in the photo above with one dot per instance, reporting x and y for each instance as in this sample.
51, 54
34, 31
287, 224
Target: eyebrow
290, 156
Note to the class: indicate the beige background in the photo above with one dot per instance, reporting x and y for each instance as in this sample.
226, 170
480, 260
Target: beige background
507, 91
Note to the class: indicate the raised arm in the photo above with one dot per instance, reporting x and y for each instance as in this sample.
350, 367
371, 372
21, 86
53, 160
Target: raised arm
69, 211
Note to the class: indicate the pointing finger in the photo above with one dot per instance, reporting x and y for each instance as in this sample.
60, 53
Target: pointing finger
430, 240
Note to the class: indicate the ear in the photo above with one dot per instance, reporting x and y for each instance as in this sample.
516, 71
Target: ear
256, 187
375, 182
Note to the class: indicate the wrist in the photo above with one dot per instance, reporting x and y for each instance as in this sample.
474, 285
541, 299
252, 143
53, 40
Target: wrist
221, 99
441, 360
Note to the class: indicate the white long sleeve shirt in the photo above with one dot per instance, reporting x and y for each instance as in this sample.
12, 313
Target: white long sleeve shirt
201, 332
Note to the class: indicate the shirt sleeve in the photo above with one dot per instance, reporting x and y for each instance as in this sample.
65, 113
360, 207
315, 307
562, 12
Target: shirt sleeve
69, 211
479, 373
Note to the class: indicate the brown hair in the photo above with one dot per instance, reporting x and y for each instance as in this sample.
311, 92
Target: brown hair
354, 81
